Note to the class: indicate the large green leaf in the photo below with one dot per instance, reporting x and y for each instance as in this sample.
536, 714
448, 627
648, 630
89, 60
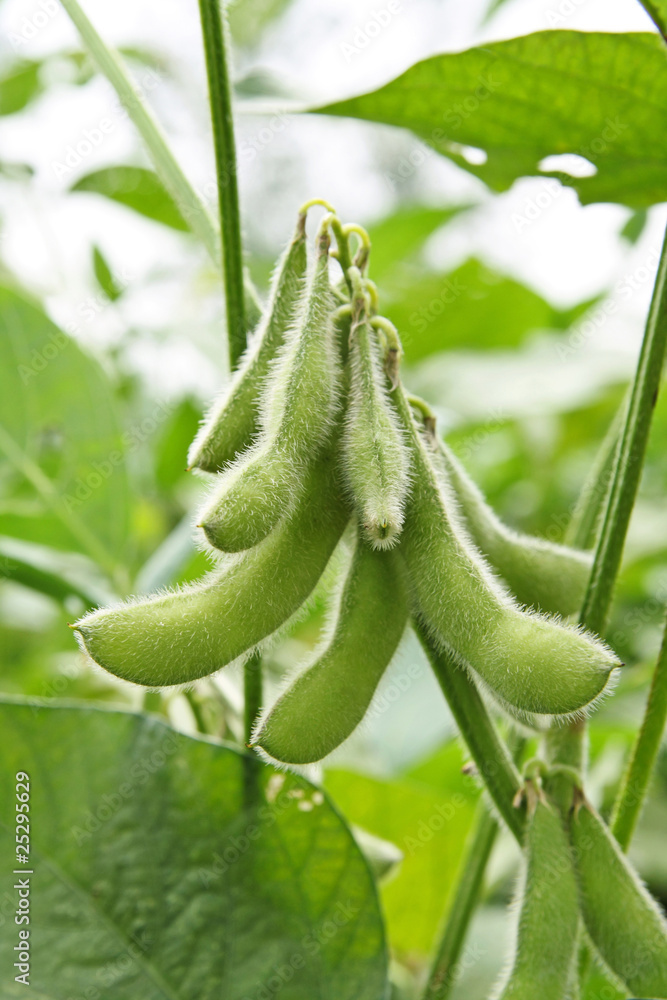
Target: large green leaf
602, 96
66, 471
399, 236
138, 189
472, 307
160, 873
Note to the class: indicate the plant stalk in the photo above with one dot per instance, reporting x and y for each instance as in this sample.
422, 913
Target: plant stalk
640, 767
629, 459
495, 765
252, 690
569, 745
216, 51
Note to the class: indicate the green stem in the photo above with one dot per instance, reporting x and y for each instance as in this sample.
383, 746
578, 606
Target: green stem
582, 530
195, 708
220, 97
640, 768
466, 898
252, 688
629, 458
490, 754
168, 169
342, 252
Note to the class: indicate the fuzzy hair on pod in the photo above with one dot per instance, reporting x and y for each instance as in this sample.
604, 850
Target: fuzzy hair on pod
178, 636
551, 578
233, 421
298, 413
534, 664
326, 702
625, 923
548, 920
376, 461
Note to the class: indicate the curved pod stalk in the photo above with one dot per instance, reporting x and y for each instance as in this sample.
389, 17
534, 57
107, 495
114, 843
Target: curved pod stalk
327, 701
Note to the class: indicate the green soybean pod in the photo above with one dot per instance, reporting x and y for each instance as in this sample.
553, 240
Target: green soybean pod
623, 920
330, 697
376, 461
233, 421
547, 936
176, 637
298, 413
550, 577
532, 664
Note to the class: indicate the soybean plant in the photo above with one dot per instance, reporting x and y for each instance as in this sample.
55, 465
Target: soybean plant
317, 450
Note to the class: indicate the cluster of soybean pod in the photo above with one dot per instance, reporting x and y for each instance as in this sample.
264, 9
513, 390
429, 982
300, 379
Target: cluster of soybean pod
316, 448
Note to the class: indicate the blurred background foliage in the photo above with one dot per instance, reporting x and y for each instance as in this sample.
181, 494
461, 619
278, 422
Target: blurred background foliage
111, 346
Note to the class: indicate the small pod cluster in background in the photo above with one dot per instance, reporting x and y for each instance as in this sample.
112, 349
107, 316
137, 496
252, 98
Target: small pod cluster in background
313, 433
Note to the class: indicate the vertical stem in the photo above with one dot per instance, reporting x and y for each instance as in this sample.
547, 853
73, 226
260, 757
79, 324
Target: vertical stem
195, 708
217, 69
629, 458
220, 96
252, 689
640, 768
582, 530
490, 754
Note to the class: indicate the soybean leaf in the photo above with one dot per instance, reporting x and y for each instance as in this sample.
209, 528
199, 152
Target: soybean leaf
635, 226
136, 188
105, 277
429, 825
249, 18
26, 80
171, 449
157, 876
64, 465
19, 87
399, 236
472, 307
601, 96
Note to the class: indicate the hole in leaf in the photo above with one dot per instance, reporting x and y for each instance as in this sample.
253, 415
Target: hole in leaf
472, 154
568, 163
